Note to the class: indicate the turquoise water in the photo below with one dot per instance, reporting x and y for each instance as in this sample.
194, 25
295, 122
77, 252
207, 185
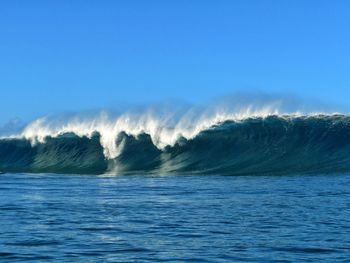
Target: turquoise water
67, 218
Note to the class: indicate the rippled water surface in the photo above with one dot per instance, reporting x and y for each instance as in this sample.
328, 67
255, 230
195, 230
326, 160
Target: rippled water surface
67, 218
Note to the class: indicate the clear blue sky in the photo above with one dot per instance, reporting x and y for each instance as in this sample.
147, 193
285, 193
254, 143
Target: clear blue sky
80, 55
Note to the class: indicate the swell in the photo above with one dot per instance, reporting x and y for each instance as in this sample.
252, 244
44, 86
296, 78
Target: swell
261, 145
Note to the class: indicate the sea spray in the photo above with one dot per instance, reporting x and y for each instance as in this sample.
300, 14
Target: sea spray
249, 142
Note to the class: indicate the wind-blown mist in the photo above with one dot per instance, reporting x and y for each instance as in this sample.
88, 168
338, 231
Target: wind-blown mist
231, 138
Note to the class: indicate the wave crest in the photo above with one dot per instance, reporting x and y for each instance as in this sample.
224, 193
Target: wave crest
250, 142
164, 128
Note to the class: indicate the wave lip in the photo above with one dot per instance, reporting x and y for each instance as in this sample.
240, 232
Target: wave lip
164, 128
226, 145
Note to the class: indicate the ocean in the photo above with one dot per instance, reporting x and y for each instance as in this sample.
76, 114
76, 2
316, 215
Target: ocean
177, 218
260, 187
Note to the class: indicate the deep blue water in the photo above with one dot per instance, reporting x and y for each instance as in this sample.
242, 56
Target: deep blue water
67, 218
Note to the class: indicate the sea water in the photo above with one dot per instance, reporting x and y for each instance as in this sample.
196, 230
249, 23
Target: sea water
142, 218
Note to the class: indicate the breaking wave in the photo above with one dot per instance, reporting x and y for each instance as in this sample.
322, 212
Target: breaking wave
263, 141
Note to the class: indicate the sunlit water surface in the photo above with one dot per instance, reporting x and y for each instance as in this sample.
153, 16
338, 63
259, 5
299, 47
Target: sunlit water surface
65, 218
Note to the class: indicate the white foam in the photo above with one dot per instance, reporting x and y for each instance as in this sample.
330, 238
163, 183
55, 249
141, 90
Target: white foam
164, 129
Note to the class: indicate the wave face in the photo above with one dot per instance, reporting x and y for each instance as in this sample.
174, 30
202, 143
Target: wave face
273, 144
